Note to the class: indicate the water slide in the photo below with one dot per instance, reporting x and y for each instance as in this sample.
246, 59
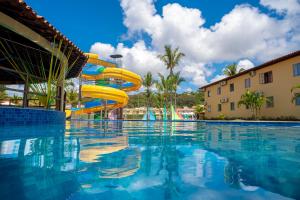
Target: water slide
111, 85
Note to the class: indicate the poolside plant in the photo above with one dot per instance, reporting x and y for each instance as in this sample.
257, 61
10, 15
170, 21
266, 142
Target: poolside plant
232, 70
253, 101
15, 99
50, 73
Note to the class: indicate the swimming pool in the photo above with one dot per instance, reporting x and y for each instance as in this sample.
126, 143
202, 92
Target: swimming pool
154, 160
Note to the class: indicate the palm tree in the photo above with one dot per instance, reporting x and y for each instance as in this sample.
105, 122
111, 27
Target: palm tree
296, 95
3, 94
176, 80
72, 93
254, 101
159, 96
232, 70
72, 97
148, 83
171, 57
166, 87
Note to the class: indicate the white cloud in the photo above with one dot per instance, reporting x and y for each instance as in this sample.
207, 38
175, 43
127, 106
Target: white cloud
218, 77
282, 6
103, 50
243, 33
138, 58
189, 89
245, 64
195, 73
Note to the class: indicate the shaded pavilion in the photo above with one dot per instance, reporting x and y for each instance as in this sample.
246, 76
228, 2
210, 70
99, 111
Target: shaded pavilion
30, 47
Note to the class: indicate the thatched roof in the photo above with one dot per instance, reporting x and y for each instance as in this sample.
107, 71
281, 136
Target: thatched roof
21, 12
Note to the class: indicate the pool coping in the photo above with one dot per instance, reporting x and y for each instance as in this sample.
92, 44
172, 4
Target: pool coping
30, 116
220, 122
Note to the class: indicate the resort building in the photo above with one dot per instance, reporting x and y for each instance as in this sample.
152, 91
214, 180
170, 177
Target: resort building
274, 79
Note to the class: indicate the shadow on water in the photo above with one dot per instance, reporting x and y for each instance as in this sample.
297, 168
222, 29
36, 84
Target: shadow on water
149, 160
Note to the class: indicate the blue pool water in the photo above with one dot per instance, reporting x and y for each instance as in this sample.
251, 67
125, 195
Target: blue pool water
155, 160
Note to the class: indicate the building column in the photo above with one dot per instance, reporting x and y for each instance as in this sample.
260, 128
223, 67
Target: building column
61, 89
25, 92
79, 94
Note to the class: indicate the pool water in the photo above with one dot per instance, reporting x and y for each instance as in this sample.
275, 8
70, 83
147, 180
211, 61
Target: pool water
154, 160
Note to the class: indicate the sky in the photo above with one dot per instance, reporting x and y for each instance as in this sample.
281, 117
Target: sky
211, 33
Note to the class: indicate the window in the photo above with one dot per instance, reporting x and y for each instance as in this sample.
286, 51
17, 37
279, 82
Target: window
247, 83
297, 100
265, 78
231, 87
219, 107
208, 93
270, 102
219, 90
296, 69
209, 108
232, 106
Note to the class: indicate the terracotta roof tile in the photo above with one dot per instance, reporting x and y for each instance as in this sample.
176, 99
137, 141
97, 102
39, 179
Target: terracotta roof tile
266, 64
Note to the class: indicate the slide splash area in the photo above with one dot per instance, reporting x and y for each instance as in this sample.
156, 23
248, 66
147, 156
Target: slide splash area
109, 85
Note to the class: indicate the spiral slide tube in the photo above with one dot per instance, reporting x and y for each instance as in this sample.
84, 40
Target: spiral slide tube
111, 85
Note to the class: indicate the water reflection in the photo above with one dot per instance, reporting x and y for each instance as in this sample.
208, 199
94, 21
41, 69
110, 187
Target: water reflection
147, 160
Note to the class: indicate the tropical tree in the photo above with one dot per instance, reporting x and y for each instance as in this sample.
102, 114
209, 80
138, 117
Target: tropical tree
159, 95
148, 82
3, 93
72, 92
165, 85
252, 100
72, 97
232, 70
175, 80
171, 57
199, 110
295, 95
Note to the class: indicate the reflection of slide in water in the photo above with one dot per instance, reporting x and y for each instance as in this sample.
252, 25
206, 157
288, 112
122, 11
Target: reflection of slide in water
93, 149
105, 94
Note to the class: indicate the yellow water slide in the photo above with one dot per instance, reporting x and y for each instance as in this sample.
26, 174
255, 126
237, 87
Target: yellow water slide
111, 85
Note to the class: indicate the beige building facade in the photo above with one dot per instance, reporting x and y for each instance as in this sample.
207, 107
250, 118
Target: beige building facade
274, 79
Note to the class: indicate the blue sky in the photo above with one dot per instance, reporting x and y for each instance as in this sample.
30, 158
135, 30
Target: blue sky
85, 22
212, 33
